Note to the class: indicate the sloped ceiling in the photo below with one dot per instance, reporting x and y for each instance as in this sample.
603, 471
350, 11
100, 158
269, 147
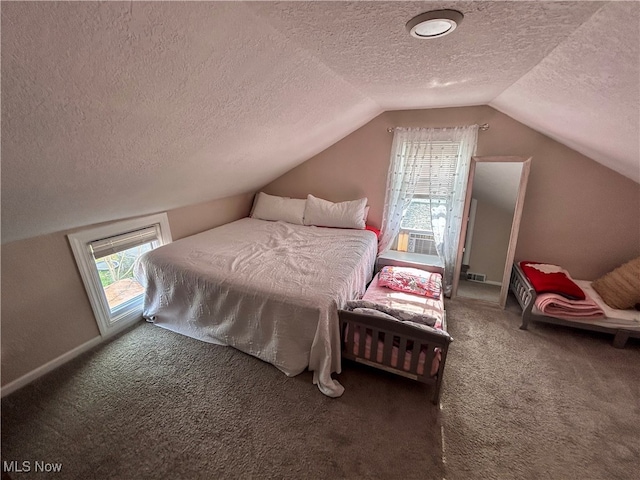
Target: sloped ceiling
114, 109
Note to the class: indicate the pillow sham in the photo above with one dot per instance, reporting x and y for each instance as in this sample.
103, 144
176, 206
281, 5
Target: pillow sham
274, 208
374, 230
411, 280
620, 288
323, 213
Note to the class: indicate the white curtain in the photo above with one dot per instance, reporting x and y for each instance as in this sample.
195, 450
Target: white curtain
404, 170
447, 232
416, 155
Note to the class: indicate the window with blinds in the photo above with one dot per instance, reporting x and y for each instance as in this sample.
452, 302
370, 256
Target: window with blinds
124, 241
115, 258
106, 257
437, 162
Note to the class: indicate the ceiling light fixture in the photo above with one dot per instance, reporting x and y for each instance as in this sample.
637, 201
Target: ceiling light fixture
434, 24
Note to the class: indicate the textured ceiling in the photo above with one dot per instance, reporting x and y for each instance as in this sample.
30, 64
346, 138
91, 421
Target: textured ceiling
116, 109
585, 93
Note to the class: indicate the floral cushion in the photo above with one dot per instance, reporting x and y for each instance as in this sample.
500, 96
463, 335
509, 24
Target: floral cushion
411, 280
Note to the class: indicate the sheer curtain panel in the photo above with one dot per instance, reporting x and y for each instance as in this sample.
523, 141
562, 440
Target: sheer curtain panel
432, 164
402, 178
447, 233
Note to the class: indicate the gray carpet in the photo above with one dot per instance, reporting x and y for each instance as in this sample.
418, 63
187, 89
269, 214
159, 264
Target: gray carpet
550, 403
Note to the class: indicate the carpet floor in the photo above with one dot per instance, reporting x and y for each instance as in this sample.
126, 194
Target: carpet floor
479, 291
549, 403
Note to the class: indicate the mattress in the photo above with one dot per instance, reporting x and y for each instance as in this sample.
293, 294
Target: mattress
417, 304
269, 289
625, 319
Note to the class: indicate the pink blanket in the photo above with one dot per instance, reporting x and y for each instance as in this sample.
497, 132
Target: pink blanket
561, 307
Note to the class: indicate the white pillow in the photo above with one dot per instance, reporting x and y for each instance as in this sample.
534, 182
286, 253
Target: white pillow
323, 213
274, 208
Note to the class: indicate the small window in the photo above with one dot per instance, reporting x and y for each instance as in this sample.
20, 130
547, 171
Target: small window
424, 220
106, 257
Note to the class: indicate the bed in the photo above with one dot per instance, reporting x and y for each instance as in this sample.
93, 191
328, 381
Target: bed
414, 344
622, 324
270, 289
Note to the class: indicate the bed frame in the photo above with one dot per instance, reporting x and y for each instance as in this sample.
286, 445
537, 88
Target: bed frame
385, 330
526, 296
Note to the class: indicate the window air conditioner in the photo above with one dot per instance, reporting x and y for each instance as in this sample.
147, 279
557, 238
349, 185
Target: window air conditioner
421, 243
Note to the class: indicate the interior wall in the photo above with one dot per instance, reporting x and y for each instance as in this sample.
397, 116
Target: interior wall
45, 309
577, 213
194, 219
491, 232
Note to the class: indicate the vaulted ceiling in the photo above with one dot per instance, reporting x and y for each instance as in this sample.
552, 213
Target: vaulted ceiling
115, 109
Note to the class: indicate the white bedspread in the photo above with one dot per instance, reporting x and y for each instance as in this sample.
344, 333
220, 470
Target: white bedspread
270, 289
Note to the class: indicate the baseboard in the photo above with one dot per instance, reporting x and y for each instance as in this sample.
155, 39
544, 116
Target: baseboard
47, 367
486, 282
65, 357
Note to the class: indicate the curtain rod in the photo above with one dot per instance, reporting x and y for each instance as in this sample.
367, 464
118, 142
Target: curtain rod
484, 127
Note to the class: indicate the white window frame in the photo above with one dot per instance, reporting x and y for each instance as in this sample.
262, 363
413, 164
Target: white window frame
131, 311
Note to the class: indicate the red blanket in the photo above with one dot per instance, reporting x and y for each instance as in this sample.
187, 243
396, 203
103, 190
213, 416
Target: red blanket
547, 278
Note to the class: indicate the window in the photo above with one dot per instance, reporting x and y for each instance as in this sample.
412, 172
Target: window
106, 257
426, 188
424, 220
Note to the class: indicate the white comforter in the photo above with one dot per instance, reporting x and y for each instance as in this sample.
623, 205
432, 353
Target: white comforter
270, 289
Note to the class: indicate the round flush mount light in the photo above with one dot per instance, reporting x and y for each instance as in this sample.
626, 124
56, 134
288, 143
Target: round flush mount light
434, 24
